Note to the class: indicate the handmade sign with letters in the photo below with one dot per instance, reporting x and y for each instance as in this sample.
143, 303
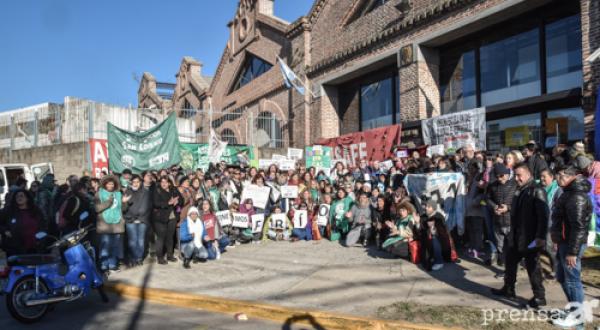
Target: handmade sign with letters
258, 195
240, 220
224, 217
300, 218
258, 221
278, 221
289, 192
323, 215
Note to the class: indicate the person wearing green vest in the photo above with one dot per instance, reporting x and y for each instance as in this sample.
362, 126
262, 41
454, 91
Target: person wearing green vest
110, 225
401, 231
338, 216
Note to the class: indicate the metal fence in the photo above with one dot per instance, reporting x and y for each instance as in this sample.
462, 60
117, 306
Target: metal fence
78, 120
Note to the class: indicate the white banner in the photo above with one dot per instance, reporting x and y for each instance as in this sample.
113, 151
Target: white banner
224, 218
240, 220
258, 221
456, 130
286, 164
258, 195
278, 157
289, 192
323, 215
447, 189
216, 148
278, 221
300, 218
265, 163
295, 154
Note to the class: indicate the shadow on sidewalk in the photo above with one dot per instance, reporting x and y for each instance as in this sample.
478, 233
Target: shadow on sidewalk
287, 325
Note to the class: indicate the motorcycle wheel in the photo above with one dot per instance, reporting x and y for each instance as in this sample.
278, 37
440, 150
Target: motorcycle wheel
15, 300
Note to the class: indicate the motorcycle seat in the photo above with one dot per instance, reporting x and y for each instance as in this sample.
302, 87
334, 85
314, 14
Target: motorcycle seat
33, 260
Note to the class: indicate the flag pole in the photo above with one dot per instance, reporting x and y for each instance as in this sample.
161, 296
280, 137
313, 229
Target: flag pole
301, 81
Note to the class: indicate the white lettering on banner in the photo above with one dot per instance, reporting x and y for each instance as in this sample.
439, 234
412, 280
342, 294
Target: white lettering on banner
258, 221
352, 153
224, 217
158, 160
278, 221
99, 155
289, 192
240, 220
258, 195
300, 218
323, 215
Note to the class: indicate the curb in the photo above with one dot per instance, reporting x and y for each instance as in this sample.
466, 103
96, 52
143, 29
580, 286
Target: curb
261, 310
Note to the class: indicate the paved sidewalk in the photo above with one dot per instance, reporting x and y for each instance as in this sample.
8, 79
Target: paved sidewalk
325, 276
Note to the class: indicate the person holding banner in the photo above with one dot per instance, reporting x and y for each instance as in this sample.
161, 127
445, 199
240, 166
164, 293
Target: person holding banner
166, 200
192, 236
437, 246
278, 226
246, 235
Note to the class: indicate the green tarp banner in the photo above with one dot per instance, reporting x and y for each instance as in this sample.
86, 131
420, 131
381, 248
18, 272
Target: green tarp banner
154, 149
194, 156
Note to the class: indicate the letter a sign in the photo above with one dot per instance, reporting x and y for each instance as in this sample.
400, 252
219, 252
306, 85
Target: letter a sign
99, 156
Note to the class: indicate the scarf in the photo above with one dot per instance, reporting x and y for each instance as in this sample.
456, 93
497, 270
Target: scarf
551, 191
197, 228
111, 215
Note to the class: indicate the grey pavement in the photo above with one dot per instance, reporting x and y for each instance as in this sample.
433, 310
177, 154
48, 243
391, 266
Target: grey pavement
326, 276
90, 313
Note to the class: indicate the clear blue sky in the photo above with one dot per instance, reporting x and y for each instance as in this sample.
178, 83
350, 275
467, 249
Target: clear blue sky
92, 49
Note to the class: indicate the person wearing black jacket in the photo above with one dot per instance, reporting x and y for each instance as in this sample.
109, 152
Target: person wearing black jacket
137, 217
534, 160
499, 199
527, 236
165, 201
380, 214
571, 218
76, 210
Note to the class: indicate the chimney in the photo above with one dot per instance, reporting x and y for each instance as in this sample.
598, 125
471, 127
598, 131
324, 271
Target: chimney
265, 7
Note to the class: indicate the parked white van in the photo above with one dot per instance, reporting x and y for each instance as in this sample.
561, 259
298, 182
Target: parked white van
9, 173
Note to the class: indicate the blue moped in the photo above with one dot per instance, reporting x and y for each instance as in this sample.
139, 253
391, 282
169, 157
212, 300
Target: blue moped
37, 281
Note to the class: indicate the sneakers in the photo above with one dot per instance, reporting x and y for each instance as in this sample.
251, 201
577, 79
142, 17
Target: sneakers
572, 319
504, 292
162, 261
186, 263
218, 254
437, 267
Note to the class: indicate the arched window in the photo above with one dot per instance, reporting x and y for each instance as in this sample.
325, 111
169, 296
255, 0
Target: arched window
228, 136
267, 122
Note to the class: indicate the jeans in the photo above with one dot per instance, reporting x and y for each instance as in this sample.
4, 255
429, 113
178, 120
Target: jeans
300, 233
136, 235
569, 278
111, 250
189, 251
437, 251
223, 242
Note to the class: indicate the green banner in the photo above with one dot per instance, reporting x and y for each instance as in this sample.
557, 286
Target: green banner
154, 149
318, 157
194, 156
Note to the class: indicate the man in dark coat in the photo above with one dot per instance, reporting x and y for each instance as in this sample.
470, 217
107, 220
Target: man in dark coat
527, 236
534, 160
137, 213
571, 218
499, 199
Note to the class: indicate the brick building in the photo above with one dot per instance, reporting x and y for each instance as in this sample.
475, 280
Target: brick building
371, 63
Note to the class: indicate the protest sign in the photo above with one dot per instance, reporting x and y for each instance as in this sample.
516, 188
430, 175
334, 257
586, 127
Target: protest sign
265, 163
258, 195
373, 144
295, 153
278, 157
224, 218
240, 220
402, 153
278, 221
323, 215
258, 221
456, 130
446, 189
319, 157
286, 164
289, 192
436, 150
216, 147
387, 165
300, 218
154, 149
99, 156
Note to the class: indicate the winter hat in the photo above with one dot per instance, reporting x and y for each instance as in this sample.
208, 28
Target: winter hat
193, 209
501, 169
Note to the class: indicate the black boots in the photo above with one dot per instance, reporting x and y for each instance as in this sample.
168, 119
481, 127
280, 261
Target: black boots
186, 263
161, 261
505, 291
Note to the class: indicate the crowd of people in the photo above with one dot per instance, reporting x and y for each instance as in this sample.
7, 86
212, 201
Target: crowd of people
521, 205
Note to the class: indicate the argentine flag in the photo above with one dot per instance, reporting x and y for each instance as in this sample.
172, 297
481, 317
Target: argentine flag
290, 78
